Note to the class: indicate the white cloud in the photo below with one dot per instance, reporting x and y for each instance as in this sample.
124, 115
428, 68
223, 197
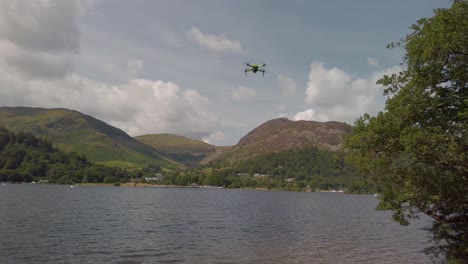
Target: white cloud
162, 107
34, 64
287, 85
40, 25
38, 44
214, 43
373, 62
309, 114
38, 39
138, 107
216, 136
334, 94
243, 93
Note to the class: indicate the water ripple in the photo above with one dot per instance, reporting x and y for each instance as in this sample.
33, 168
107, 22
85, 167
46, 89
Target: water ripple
55, 224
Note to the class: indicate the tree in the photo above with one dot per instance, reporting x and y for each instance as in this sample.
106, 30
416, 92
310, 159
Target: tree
416, 150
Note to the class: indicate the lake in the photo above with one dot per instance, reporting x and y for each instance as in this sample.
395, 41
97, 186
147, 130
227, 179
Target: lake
59, 224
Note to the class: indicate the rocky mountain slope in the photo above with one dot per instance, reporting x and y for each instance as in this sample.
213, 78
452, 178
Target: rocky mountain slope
282, 134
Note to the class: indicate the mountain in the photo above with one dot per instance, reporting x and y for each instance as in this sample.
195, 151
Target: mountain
73, 131
99, 142
184, 150
280, 135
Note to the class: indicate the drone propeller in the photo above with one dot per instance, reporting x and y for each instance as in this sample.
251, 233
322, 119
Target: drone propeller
249, 63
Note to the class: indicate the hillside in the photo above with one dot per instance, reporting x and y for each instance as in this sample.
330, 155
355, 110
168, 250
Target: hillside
99, 142
283, 154
26, 158
280, 135
184, 150
73, 131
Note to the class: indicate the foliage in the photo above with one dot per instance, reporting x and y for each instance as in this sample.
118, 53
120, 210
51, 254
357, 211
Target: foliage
417, 148
73, 131
181, 149
303, 169
24, 158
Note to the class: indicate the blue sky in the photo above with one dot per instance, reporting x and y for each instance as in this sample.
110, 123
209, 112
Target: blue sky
177, 66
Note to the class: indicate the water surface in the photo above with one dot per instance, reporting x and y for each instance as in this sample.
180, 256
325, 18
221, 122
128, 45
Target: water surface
59, 224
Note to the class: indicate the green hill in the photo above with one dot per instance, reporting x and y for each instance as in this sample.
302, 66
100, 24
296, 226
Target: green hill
26, 158
184, 150
73, 131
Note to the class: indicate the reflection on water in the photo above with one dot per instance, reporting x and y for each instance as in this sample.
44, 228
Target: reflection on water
59, 224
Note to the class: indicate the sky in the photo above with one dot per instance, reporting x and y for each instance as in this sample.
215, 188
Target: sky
172, 66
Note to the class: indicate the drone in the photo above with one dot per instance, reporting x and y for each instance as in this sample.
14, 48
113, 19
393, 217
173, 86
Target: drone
255, 68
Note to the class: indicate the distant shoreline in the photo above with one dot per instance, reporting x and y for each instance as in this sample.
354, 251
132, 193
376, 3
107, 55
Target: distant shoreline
132, 184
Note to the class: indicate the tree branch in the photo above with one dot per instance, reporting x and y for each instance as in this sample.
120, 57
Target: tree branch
446, 218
